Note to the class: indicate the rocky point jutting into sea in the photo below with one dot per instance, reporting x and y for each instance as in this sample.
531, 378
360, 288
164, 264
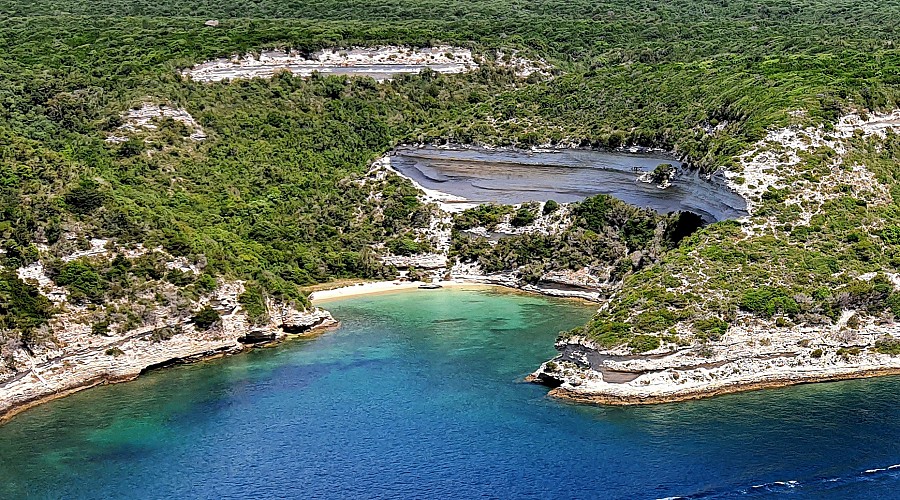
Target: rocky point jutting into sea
754, 352
79, 359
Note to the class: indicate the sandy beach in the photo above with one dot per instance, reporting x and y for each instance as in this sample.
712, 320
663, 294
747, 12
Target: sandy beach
377, 287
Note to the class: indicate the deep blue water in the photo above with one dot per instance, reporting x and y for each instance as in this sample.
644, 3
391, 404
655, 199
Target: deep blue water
418, 395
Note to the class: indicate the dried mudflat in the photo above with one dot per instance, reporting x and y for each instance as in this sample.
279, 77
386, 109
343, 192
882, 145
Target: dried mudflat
510, 176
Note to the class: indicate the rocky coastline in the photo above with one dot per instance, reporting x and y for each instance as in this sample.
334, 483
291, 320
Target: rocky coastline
752, 354
756, 355
76, 364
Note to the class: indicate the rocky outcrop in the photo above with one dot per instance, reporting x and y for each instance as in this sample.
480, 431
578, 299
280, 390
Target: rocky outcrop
147, 118
294, 322
745, 359
79, 359
419, 261
381, 63
461, 174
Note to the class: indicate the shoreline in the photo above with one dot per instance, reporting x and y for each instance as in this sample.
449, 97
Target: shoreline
383, 287
360, 289
228, 348
24, 405
733, 388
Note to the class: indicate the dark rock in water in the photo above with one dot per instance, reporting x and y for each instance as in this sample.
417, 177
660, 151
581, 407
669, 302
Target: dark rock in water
296, 327
544, 378
565, 175
257, 335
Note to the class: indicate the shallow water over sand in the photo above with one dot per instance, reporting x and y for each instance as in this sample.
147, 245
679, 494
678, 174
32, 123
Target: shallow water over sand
565, 175
419, 395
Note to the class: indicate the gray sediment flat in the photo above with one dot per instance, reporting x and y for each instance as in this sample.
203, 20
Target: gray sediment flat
513, 176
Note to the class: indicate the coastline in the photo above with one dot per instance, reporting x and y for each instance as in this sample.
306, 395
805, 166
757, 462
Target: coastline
383, 287
471, 282
701, 393
30, 390
86, 369
586, 372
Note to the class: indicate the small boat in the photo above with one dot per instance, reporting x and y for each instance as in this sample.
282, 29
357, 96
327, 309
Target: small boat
430, 286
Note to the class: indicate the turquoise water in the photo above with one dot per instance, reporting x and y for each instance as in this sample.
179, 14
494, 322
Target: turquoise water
418, 395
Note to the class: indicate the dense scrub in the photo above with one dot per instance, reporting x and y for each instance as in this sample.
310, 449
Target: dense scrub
606, 235
271, 195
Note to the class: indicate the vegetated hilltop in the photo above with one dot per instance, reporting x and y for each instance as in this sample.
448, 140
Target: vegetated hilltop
268, 195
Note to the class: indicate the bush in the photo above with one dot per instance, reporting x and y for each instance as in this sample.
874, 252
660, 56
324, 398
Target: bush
654, 321
592, 213
523, 217
817, 353
254, 303
769, 301
609, 333
100, 328
85, 197
132, 147
405, 246
114, 352
22, 306
846, 352
82, 280
206, 283
487, 216
549, 207
206, 318
644, 343
710, 328
888, 345
662, 172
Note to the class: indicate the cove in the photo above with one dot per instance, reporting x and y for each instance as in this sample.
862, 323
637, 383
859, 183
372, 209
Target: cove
513, 176
419, 395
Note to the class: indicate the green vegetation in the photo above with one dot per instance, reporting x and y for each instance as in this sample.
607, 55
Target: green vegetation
550, 206
254, 303
22, 307
644, 343
606, 232
847, 352
205, 318
487, 216
524, 216
888, 346
272, 195
710, 328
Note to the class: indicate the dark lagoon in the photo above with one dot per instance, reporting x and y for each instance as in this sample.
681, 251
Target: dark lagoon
419, 395
515, 176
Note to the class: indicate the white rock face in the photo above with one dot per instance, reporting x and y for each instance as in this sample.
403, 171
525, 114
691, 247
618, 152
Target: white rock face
419, 261
77, 358
771, 162
382, 63
746, 358
143, 118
